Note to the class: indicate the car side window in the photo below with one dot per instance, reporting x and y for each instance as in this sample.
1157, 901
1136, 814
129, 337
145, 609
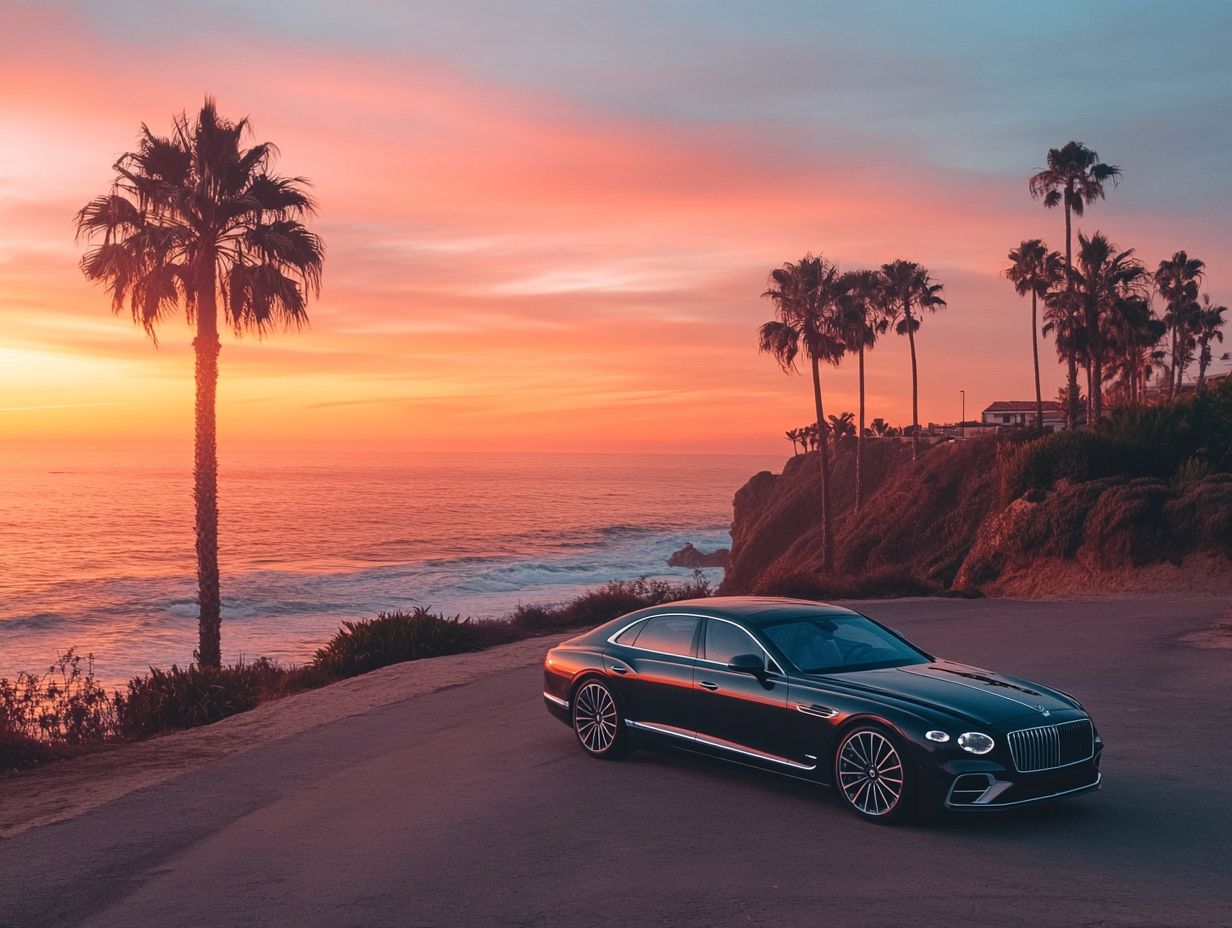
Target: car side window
671, 634
629, 635
724, 641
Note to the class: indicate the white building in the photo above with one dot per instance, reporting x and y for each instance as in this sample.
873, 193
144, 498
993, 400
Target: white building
1022, 412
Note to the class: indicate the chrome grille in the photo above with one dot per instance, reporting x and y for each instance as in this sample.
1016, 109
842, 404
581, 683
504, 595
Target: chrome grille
1051, 746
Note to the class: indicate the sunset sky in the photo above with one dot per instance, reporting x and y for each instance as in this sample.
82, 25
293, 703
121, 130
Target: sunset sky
548, 224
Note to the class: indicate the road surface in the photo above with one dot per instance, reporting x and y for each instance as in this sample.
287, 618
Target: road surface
471, 806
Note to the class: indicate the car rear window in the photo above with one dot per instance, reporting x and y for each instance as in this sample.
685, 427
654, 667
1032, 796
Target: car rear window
671, 634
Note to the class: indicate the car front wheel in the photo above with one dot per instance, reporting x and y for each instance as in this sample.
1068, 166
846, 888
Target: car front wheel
871, 775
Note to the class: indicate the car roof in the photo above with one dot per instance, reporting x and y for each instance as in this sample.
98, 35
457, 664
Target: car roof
755, 610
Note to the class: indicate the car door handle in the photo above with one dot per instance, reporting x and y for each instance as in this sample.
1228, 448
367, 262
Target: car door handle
620, 668
707, 685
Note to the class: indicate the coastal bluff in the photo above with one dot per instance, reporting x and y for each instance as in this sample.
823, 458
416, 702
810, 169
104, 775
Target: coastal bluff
948, 524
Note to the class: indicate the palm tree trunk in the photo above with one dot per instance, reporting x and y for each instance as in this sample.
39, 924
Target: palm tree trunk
205, 468
827, 529
1097, 388
1172, 363
860, 440
1071, 358
1039, 398
915, 391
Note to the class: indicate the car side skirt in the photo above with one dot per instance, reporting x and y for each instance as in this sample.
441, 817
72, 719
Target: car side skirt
719, 743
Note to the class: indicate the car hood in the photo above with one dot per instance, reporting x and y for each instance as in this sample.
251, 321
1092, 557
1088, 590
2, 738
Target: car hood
970, 692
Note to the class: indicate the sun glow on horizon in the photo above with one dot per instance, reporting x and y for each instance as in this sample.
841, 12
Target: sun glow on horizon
513, 265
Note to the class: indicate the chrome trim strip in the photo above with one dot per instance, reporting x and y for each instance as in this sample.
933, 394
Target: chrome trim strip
1099, 778
611, 639
563, 703
714, 743
989, 781
978, 689
824, 712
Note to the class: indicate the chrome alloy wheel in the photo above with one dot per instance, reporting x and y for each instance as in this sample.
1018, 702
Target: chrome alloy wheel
870, 773
595, 718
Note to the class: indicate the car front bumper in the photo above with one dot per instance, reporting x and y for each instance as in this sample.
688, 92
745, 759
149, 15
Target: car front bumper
993, 791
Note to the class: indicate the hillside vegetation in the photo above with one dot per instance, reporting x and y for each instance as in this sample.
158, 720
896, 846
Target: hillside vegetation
1137, 502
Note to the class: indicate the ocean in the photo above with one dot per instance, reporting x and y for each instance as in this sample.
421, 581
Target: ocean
96, 548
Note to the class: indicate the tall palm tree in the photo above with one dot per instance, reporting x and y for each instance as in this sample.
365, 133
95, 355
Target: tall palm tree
793, 436
861, 318
804, 294
1209, 329
1101, 278
192, 218
1178, 280
908, 292
1074, 179
1034, 269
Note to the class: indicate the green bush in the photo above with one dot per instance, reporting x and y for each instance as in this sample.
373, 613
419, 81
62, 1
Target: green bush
1201, 519
607, 602
393, 637
167, 700
1074, 456
1126, 525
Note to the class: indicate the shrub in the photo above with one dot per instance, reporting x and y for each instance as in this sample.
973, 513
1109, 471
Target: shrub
1126, 525
393, 637
18, 752
63, 706
1074, 456
167, 700
607, 602
1202, 517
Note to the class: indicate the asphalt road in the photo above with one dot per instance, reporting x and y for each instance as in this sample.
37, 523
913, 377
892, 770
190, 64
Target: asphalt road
471, 806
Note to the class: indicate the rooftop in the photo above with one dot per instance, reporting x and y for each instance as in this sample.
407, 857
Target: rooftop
1022, 406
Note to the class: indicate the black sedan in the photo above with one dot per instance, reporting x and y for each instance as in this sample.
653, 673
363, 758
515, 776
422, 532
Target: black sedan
822, 693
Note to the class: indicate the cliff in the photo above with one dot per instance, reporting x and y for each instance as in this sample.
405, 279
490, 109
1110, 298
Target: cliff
961, 520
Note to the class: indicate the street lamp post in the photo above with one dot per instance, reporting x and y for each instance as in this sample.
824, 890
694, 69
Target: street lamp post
963, 421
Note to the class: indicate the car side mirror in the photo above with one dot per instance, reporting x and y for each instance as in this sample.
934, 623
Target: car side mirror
748, 663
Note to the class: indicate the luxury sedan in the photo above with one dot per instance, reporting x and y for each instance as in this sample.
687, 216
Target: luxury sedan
822, 693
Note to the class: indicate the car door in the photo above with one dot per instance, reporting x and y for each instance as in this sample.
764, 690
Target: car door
653, 672
740, 711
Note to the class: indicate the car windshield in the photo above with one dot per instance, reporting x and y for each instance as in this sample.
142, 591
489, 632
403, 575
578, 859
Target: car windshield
840, 643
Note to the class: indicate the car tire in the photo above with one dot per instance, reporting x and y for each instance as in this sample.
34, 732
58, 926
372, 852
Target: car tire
597, 720
872, 776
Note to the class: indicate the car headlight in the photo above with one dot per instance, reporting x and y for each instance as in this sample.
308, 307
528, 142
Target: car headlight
975, 742
938, 736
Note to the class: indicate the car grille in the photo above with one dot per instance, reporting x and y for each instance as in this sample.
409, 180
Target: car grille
1051, 746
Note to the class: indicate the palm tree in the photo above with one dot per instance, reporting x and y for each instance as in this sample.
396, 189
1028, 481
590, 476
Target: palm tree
1178, 280
1101, 279
793, 435
841, 425
804, 294
1034, 269
861, 318
1074, 179
879, 427
1210, 329
910, 290
1134, 331
191, 218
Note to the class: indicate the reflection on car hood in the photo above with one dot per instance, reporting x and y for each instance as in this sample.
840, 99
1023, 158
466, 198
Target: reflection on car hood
967, 691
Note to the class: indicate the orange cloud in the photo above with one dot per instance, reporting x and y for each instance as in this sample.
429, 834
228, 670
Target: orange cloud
504, 270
